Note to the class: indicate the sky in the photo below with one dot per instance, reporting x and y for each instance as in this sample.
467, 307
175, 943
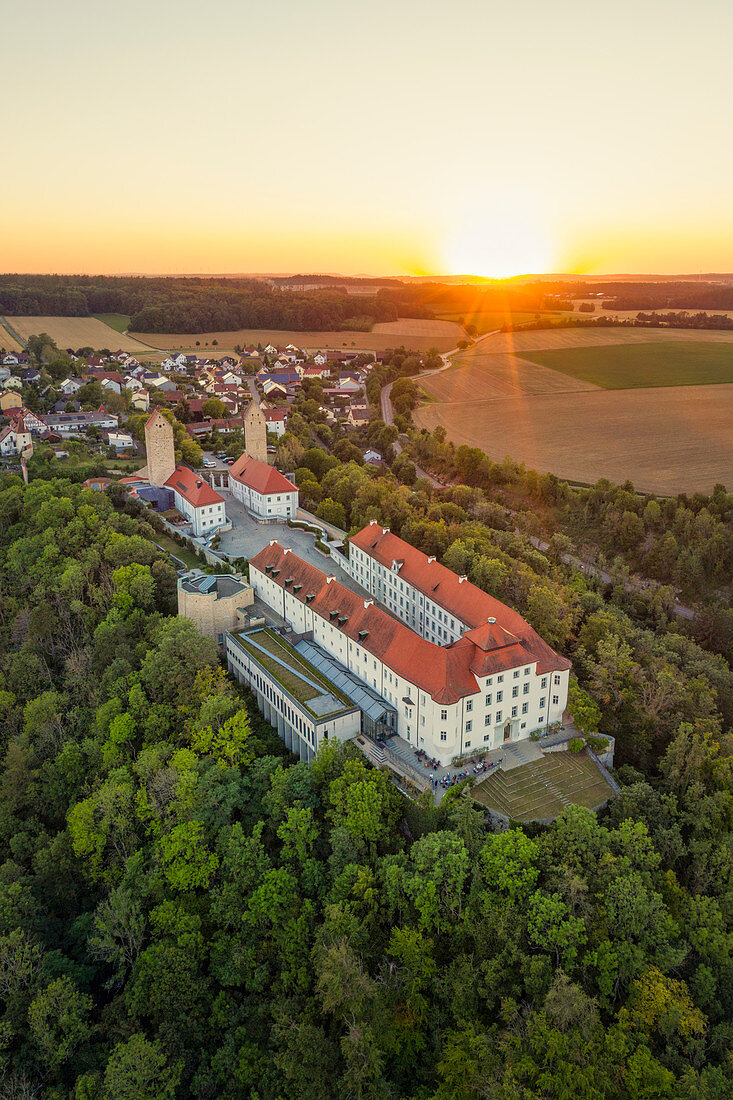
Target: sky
389, 137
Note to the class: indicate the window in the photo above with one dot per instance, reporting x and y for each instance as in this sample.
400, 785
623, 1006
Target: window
498, 716
488, 700
516, 674
469, 705
526, 671
467, 744
487, 737
442, 735
525, 708
514, 712
443, 715
544, 682
557, 680
499, 696
542, 703
555, 700
525, 689
469, 726
487, 719
515, 692
500, 679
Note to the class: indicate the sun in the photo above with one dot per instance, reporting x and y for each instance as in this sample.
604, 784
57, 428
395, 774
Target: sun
498, 249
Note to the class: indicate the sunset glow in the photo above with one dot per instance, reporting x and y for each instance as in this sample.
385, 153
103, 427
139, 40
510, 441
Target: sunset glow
252, 140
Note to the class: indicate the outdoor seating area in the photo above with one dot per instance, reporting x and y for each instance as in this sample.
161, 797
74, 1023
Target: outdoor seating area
542, 789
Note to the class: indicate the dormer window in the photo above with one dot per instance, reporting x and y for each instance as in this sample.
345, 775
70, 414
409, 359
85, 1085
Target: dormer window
297, 587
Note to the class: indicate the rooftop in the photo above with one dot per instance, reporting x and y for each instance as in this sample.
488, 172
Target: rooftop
221, 585
192, 488
314, 691
259, 476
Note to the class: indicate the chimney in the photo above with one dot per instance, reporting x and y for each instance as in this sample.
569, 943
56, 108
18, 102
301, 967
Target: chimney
492, 619
287, 550
430, 560
462, 579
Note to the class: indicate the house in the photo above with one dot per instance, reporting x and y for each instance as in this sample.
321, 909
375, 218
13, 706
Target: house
459, 670
277, 419
274, 391
11, 383
97, 483
160, 382
110, 385
231, 378
175, 361
121, 441
197, 501
358, 416
131, 383
320, 359
72, 423
14, 439
349, 385
270, 349
10, 359
263, 490
32, 422
61, 406
71, 385
373, 458
9, 400
5, 372
314, 372
141, 401
30, 376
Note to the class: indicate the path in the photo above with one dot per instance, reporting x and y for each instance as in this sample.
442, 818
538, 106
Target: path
16, 336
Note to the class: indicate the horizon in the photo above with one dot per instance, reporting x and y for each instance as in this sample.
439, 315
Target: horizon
474, 140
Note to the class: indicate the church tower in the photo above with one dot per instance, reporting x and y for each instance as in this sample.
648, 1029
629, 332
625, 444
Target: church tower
159, 448
255, 433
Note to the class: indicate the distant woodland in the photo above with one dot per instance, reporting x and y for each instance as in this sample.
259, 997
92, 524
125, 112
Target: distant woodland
193, 305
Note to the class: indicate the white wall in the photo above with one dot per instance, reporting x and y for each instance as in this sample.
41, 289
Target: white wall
266, 505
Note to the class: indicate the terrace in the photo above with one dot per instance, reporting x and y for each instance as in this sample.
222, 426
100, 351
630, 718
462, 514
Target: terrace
541, 789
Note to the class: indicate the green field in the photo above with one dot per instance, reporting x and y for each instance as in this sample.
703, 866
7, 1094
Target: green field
120, 322
642, 366
489, 320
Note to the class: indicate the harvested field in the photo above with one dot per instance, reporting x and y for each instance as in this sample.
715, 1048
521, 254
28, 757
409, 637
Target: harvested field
666, 440
488, 377
377, 340
527, 340
8, 341
409, 328
77, 332
629, 366
540, 791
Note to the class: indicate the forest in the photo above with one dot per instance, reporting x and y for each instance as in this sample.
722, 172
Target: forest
187, 911
189, 305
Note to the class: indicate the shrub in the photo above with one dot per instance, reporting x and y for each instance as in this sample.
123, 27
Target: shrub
576, 744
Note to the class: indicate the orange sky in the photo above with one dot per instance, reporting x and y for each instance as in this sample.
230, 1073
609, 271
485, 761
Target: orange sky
466, 137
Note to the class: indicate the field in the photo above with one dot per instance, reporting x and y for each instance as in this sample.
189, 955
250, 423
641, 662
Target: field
543, 789
77, 332
633, 366
7, 341
489, 320
503, 397
417, 335
120, 322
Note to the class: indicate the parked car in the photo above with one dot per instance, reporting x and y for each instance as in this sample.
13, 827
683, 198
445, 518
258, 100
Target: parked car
209, 464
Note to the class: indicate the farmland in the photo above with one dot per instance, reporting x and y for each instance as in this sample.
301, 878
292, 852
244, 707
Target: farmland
120, 322
77, 332
417, 335
8, 341
504, 397
643, 365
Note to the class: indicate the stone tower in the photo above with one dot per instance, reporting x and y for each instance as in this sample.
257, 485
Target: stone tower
255, 433
159, 448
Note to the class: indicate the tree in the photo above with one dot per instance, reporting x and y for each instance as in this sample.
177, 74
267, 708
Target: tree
58, 1019
138, 1070
214, 409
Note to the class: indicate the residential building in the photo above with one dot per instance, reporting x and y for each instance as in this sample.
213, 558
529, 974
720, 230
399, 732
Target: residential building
73, 423
276, 420
215, 603
196, 500
10, 400
263, 490
32, 422
492, 682
121, 441
14, 439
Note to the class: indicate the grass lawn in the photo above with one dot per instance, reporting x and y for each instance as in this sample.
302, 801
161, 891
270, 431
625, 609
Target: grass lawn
120, 322
185, 554
636, 366
543, 789
289, 677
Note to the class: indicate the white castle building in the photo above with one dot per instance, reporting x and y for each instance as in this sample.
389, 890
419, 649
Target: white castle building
460, 670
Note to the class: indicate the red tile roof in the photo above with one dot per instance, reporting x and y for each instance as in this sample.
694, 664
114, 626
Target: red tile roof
468, 603
443, 671
192, 488
259, 476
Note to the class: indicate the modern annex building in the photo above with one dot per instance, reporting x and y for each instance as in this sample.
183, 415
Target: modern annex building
459, 670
